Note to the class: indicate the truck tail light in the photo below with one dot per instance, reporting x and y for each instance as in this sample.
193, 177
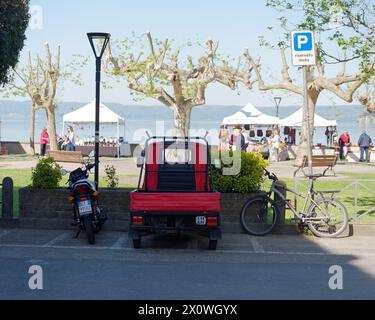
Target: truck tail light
211, 221
138, 220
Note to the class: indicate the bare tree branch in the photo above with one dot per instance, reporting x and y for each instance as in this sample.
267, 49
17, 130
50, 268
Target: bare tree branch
285, 84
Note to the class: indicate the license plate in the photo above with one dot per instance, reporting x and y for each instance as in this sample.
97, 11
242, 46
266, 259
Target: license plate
200, 220
84, 207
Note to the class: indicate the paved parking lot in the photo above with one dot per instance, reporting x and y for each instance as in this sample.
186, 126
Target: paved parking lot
180, 267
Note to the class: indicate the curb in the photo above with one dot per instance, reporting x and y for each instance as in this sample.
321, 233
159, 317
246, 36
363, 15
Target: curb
122, 225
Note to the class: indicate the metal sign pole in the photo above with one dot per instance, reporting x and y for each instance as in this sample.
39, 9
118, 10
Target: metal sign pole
303, 55
309, 131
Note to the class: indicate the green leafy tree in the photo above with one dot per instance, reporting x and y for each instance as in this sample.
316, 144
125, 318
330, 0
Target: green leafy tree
14, 19
345, 33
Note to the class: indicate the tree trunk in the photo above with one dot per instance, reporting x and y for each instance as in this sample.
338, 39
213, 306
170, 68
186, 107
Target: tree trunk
307, 115
52, 128
32, 130
181, 122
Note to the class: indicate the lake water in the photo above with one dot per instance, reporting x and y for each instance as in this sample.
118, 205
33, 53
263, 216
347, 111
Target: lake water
15, 120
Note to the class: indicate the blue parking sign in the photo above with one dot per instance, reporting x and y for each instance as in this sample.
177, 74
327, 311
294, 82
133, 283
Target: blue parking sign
303, 48
303, 41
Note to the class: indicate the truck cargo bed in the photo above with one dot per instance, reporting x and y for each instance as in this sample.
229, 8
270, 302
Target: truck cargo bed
141, 201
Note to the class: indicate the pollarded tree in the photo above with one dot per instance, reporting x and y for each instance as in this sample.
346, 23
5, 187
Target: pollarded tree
179, 85
14, 19
346, 25
39, 79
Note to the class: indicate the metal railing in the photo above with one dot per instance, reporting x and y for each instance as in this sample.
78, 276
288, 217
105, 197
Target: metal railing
357, 212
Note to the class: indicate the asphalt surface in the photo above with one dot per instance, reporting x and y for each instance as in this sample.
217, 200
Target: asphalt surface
181, 267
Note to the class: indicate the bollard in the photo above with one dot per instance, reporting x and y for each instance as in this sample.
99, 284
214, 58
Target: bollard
280, 186
7, 198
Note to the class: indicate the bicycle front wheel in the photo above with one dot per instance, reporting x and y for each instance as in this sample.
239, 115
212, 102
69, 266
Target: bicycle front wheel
331, 218
259, 216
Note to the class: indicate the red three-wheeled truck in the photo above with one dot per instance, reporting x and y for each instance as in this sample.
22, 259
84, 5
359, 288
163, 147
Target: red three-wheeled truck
175, 192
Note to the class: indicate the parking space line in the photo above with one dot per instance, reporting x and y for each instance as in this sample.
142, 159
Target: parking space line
258, 248
166, 250
57, 239
4, 233
119, 244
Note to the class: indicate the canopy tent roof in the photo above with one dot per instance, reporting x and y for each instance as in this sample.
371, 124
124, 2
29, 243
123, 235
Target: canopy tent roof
86, 114
251, 111
295, 120
252, 116
237, 118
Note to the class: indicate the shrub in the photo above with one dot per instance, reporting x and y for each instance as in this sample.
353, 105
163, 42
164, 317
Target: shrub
46, 174
249, 179
112, 177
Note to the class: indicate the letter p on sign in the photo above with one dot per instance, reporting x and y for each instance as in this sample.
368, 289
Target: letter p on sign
302, 41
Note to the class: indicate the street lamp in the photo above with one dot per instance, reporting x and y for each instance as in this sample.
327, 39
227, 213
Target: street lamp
277, 103
98, 42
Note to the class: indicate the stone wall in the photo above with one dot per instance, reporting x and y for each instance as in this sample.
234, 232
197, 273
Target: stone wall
50, 209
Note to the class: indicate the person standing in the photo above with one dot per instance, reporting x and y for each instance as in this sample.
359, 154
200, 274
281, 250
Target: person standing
327, 134
344, 143
364, 142
237, 139
44, 139
276, 144
223, 138
70, 146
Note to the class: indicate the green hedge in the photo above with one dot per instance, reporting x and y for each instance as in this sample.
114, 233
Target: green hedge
249, 178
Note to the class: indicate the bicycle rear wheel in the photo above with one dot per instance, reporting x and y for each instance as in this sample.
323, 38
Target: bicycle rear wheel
334, 218
259, 215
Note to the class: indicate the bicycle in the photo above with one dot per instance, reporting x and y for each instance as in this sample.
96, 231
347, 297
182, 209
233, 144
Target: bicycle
325, 217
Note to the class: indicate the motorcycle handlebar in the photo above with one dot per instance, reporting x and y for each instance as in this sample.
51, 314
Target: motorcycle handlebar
90, 166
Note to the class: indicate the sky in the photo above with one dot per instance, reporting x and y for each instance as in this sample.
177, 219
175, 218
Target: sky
236, 24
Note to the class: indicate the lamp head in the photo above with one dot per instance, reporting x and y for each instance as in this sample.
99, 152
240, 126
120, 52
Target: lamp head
98, 42
277, 100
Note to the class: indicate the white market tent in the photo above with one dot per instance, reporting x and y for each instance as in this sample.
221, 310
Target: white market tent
86, 115
251, 111
252, 116
295, 120
237, 118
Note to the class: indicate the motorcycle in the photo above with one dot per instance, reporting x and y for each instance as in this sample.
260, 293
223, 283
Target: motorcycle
87, 215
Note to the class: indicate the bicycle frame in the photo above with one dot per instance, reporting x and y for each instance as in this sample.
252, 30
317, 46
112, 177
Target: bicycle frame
308, 200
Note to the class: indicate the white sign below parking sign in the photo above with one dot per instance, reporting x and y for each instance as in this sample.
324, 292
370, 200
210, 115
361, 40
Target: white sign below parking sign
303, 48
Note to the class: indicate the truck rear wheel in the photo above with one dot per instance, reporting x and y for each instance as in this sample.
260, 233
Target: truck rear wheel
137, 243
212, 245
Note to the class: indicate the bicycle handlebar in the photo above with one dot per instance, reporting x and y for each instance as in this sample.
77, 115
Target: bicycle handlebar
270, 175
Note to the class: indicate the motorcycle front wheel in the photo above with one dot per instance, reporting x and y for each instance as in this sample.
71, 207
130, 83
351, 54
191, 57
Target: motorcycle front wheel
87, 223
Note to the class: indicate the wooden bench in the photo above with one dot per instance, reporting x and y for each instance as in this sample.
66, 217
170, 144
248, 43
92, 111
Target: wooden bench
67, 156
328, 161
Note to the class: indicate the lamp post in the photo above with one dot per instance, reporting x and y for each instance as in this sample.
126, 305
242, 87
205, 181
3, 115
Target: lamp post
98, 42
277, 103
